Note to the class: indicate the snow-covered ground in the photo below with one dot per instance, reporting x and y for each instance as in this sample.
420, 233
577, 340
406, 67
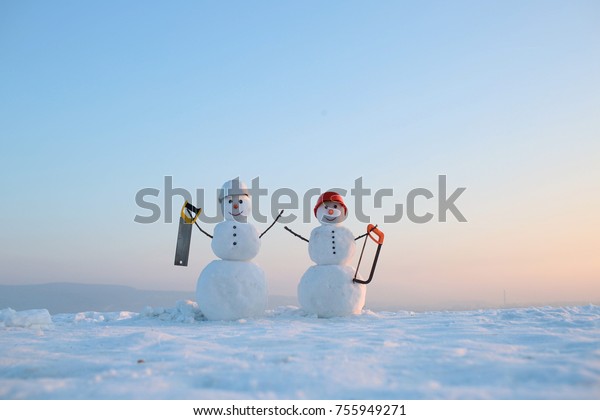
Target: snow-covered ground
531, 353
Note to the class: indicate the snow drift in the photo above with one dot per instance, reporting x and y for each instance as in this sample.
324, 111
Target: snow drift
173, 353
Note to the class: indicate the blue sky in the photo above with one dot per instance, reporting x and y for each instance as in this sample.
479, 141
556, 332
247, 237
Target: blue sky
101, 99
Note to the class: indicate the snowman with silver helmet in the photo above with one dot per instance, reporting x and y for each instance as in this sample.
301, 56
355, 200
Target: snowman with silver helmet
233, 287
328, 289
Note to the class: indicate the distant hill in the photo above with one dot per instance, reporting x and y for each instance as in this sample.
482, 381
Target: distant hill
77, 297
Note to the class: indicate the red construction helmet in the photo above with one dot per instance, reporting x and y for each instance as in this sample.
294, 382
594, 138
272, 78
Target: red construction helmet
331, 196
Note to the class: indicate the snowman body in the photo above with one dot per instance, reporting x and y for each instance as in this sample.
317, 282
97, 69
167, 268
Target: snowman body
235, 241
331, 244
327, 288
233, 287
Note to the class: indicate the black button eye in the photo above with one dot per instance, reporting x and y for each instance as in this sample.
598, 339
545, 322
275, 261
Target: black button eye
230, 201
235, 243
241, 201
335, 206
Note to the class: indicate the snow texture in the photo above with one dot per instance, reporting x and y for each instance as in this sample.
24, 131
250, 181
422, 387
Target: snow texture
328, 291
331, 244
229, 290
235, 241
530, 353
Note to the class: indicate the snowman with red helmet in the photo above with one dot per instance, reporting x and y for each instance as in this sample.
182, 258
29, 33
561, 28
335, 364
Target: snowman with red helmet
331, 287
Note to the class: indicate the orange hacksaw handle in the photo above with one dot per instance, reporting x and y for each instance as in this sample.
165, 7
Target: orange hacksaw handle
372, 229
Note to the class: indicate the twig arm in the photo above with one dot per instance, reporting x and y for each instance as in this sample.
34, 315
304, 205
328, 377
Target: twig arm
271, 225
295, 234
202, 230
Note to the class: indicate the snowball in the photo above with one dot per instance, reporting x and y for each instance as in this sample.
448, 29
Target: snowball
229, 290
328, 290
331, 244
33, 318
235, 241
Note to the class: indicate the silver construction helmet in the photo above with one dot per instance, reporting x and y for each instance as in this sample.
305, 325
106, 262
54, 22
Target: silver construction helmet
233, 187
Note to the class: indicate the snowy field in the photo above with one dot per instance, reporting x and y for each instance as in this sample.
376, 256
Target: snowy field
532, 353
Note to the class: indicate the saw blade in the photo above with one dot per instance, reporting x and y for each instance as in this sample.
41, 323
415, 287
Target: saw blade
184, 238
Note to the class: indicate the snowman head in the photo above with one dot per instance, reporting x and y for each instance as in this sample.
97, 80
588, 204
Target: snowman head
235, 201
330, 208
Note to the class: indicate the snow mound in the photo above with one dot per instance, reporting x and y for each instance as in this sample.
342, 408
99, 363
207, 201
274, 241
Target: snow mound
287, 311
185, 311
33, 318
92, 316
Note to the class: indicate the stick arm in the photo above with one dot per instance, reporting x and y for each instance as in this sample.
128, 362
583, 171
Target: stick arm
295, 234
271, 225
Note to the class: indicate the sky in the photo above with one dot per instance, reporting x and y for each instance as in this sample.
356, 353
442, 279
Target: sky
99, 100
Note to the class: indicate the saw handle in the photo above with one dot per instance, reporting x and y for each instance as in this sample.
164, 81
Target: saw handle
190, 208
373, 229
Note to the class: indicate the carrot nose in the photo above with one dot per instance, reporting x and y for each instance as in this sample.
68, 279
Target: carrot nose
235, 206
330, 211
